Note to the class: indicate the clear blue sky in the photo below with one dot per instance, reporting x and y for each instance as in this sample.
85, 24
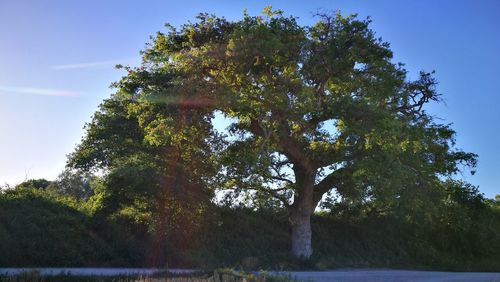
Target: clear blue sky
57, 58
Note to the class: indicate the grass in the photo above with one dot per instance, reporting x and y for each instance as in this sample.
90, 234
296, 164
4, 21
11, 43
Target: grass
219, 275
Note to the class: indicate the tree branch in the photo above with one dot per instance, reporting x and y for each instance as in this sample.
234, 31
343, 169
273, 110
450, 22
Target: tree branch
282, 179
275, 194
330, 181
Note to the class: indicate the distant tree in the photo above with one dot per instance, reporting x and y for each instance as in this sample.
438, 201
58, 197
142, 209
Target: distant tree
495, 203
314, 110
34, 183
74, 184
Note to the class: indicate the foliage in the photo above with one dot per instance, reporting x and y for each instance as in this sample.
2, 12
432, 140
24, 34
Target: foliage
220, 275
147, 181
34, 183
74, 184
38, 229
111, 136
314, 110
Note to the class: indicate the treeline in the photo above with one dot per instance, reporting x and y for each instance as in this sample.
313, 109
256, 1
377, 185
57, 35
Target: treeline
42, 224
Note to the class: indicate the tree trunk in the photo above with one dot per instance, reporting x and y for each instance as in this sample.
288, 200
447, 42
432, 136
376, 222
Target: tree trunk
301, 234
299, 213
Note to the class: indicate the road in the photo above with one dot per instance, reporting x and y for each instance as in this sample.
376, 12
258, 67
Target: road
354, 275
357, 275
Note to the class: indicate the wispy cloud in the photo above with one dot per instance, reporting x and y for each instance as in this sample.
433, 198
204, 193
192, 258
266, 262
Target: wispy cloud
95, 64
39, 91
84, 65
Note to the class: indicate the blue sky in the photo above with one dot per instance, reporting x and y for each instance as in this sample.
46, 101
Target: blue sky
57, 58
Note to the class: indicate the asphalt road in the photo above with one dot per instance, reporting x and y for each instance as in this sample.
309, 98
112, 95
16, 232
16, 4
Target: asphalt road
357, 275
353, 275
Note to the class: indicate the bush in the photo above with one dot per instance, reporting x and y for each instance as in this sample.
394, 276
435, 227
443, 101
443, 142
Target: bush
37, 229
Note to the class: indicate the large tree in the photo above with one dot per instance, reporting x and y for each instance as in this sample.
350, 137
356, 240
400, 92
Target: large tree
314, 109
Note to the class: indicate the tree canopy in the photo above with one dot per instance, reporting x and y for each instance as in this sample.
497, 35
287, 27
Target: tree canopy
315, 110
